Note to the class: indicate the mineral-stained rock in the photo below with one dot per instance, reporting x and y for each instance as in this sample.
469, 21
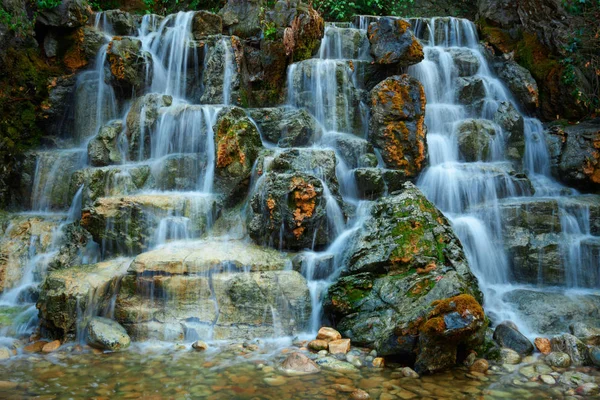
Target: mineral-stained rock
404, 259
476, 138
121, 22
129, 65
206, 24
397, 124
237, 143
392, 42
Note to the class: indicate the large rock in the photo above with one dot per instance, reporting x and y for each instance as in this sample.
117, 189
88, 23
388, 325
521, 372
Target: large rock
242, 17
71, 296
392, 42
67, 14
289, 211
577, 351
237, 144
551, 312
465, 60
507, 336
397, 124
299, 364
212, 290
106, 334
476, 139
287, 127
130, 224
264, 76
221, 76
470, 91
103, 148
403, 259
130, 66
513, 124
587, 333
141, 119
121, 23
577, 158
206, 24
521, 84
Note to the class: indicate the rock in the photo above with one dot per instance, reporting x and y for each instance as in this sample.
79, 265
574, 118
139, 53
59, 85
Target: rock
543, 345
476, 139
289, 211
506, 336
307, 27
355, 152
67, 14
470, 91
587, 334
106, 334
513, 124
131, 224
550, 312
509, 356
199, 345
206, 24
480, 366
287, 127
215, 87
336, 365
35, 347
318, 345
340, 346
237, 143
548, 379
594, 352
129, 65
392, 42
299, 364
521, 84
359, 394
574, 378
51, 347
465, 61
573, 347
378, 362
588, 389
578, 159
121, 23
558, 359
397, 126
242, 18
4, 353
328, 334
261, 89
369, 182
276, 380
534, 370
103, 148
141, 119
408, 372
401, 234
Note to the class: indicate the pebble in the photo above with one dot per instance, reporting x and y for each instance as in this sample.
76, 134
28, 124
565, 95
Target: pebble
509, 356
548, 379
378, 362
35, 347
359, 394
277, 380
199, 345
587, 389
4, 353
50, 347
543, 345
338, 387
340, 346
408, 372
558, 359
480, 365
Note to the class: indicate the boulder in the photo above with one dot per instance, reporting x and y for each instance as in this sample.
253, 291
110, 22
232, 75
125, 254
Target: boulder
130, 66
242, 17
507, 336
221, 77
206, 24
67, 14
509, 356
287, 127
465, 61
121, 23
264, 77
339, 346
103, 148
513, 124
397, 126
299, 364
558, 359
392, 42
574, 348
141, 119
521, 84
214, 290
328, 334
289, 211
470, 91
355, 152
577, 159
476, 139
403, 259
106, 334
66, 294
543, 345
237, 144
199, 345
590, 335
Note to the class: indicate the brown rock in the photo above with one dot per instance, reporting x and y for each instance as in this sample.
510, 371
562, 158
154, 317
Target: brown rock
543, 345
199, 345
379, 362
340, 346
299, 364
50, 347
359, 394
343, 388
318, 345
480, 366
35, 347
328, 334
8, 385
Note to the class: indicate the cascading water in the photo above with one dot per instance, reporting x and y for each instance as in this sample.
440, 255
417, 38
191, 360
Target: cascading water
474, 189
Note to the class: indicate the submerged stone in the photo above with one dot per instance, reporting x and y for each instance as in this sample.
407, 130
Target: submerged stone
106, 334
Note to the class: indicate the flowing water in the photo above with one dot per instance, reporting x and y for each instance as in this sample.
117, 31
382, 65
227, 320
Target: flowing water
177, 138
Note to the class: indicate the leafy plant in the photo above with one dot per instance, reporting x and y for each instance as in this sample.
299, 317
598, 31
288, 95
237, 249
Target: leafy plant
48, 4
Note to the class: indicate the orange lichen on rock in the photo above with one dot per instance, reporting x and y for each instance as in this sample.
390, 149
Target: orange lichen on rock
592, 165
430, 267
228, 145
434, 326
74, 57
463, 304
304, 197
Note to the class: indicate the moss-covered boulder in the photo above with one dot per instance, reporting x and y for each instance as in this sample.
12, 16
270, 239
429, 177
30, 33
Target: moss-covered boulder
121, 23
237, 144
71, 296
287, 127
397, 126
403, 259
475, 139
129, 65
392, 42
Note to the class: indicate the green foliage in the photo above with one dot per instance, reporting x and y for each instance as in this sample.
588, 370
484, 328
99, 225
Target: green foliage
18, 24
101, 5
47, 4
344, 10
